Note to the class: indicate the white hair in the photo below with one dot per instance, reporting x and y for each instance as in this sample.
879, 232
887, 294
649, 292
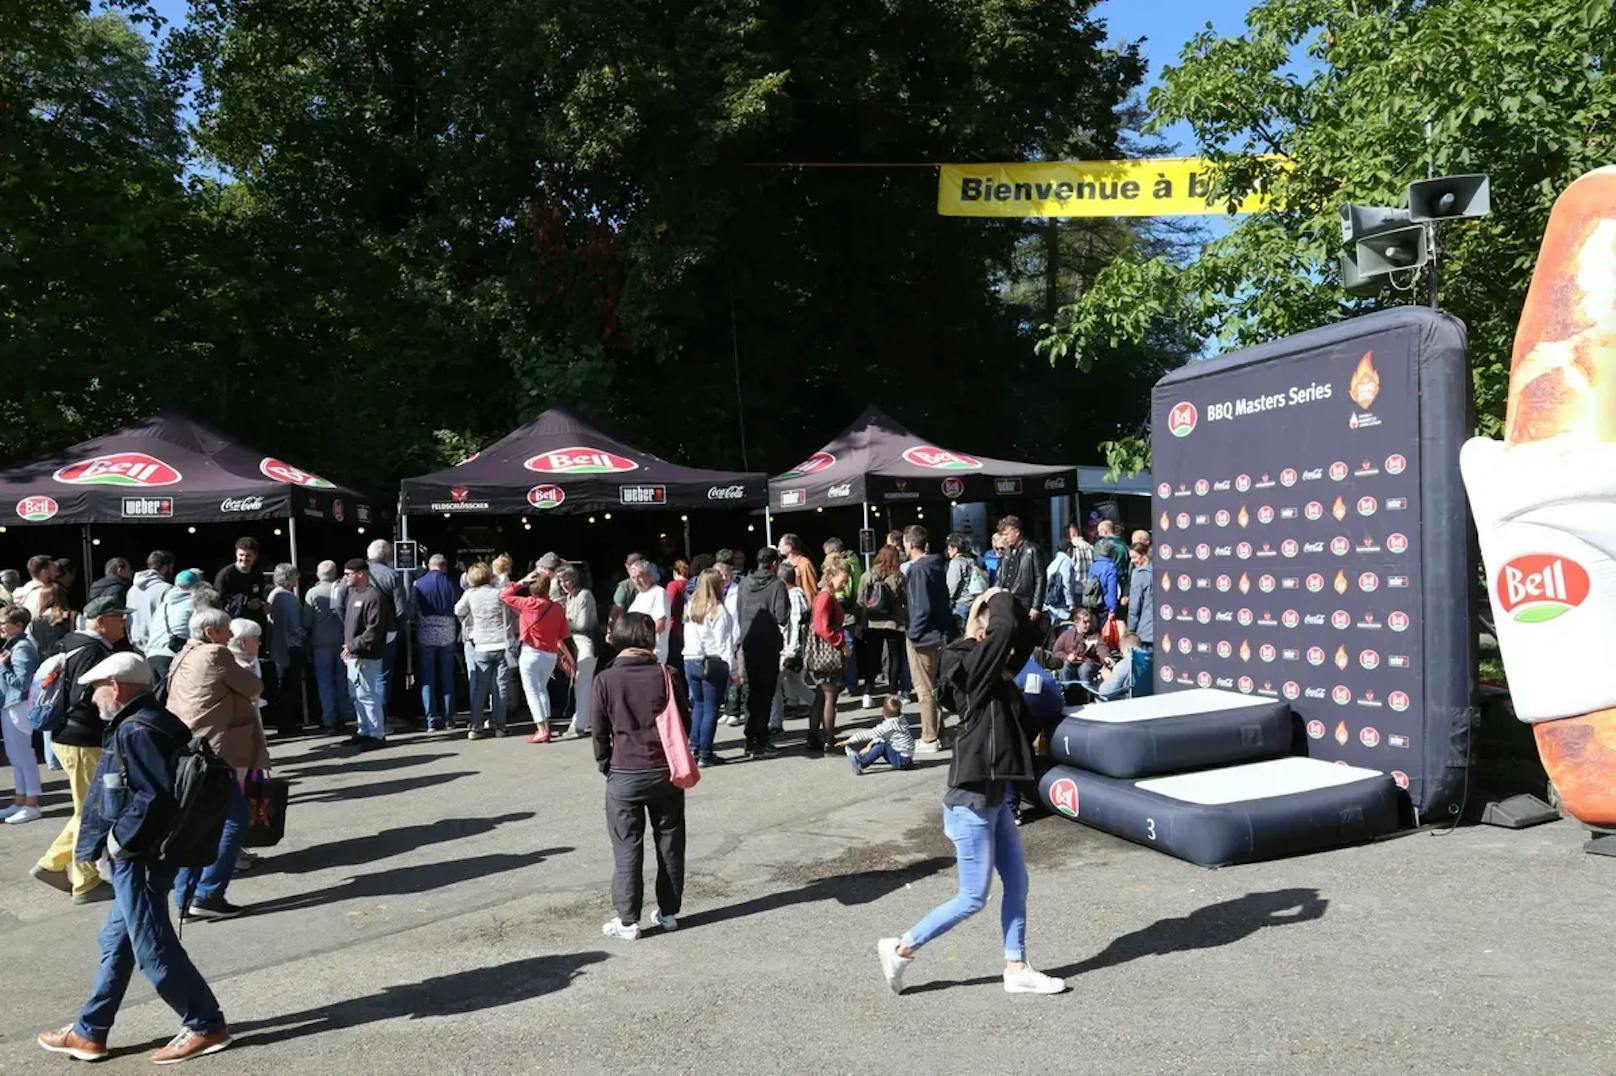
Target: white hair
285, 575
241, 628
212, 618
328, 572
380, 549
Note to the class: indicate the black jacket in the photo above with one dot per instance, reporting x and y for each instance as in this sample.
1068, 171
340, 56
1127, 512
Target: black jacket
1021, 572
625, 701
763, 610
931, 618
148, 739
236, 589
110, 586
994, 746
84, 651
367, 617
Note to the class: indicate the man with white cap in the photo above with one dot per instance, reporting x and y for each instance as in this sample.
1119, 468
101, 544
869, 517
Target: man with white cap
131, 812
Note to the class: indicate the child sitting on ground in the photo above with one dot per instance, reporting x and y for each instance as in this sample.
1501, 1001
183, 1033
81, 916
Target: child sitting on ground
891, 740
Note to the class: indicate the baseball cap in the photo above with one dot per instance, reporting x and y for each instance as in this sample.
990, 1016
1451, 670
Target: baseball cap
122, 667
357, 564
104, 606
550, 562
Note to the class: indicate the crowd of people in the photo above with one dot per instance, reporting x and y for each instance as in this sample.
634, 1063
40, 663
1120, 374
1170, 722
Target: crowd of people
158, 651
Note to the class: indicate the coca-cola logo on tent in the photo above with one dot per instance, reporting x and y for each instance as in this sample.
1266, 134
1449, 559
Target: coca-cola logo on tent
119, 469
580, 460
280, 471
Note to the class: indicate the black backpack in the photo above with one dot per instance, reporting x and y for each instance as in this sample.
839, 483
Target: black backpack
1093, 595
877, 599
202, 803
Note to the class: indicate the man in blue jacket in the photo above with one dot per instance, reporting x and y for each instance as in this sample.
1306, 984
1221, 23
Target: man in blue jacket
931, 623
127, 815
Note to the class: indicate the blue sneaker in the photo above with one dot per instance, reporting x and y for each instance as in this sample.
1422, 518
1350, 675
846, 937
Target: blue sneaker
853, 761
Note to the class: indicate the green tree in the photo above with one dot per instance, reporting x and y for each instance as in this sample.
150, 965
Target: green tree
1518, 90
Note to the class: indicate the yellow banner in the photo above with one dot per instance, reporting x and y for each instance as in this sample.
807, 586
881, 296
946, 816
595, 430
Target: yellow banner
1162, 187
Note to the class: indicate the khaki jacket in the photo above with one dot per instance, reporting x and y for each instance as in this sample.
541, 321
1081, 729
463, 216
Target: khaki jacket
217, 697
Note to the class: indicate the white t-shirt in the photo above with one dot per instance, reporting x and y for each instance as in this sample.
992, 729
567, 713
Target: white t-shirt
653, 602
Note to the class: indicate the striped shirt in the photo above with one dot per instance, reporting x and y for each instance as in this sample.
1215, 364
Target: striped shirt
1082, 557
894, 730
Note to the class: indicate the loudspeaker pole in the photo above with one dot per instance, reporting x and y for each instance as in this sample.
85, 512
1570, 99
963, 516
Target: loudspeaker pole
1430, 173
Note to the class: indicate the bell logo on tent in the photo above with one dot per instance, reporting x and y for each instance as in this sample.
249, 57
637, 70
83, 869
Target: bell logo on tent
1182, 418
280, 471
119, 469
1063, 796
1535, 587
819, 461
546, 496
940, 459
953, 487
37, 509
578, 460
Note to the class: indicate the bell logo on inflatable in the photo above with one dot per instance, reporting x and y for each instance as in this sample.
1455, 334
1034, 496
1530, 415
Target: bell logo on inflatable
1063, 796
119, 469
1536, 587
1182, 418
580, 461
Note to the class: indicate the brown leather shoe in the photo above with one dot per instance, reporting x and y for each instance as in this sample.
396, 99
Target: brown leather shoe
70, 1042
188, 1044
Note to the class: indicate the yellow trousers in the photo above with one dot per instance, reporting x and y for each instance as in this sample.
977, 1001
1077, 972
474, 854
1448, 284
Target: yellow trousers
79, 764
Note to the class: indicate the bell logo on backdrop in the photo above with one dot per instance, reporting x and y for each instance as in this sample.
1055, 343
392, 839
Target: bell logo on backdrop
819, 461
119, 469
1536, 587
546, 496
37, 509
940, 459
1182, 418
579, 460
281, 471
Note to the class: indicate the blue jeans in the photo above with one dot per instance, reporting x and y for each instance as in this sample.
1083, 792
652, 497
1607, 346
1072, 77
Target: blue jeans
850, 670
335, 704
705, 696
388, 659
215, 877
437, 682
484, 670
365, 681
138, 931
983, 839
881, 751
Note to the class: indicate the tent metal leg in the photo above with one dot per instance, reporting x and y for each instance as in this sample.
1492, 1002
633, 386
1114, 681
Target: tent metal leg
291, 537
867, 556
768, 527
86, 573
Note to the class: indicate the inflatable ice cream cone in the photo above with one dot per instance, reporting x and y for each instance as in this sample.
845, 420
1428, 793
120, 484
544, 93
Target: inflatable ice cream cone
1545, 503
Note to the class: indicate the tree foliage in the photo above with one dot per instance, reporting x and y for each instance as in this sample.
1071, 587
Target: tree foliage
1343, 91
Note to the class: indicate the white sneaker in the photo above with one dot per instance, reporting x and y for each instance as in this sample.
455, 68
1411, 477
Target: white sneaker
893, 966
631, 932
9, 810
667, 922
24, 814
928, 747
1028, 981
868, 702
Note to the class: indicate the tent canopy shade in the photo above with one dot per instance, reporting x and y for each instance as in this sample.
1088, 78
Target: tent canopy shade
169, 468
878, 461
559, 464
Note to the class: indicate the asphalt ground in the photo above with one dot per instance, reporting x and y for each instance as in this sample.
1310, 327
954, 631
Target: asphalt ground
436, 908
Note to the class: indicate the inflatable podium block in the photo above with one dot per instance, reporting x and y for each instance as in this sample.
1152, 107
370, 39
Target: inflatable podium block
1260, 810
1173, 732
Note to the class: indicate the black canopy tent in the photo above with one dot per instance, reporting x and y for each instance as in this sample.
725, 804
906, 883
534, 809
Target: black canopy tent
170, 468
877, 460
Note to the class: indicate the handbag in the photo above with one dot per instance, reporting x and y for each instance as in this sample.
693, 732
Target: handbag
714, 668
266, 809
820, 657
682, 769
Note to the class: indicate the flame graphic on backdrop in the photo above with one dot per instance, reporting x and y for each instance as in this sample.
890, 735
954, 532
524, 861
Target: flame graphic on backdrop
1365, 383
1339, 509
1166, 642
1341, 657
1166, 524
1244, 517
1341, 734
1245, 583
1341, 582
1167, 581
1245, 650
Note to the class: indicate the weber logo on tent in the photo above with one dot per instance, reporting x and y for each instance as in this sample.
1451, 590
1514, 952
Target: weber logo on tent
546, 497
793, 498
726, 493
940, 459
1007, 487
280, 471
148, 508
579, 460
248, 504
37, 509
119, 469
640, 495
1535, 587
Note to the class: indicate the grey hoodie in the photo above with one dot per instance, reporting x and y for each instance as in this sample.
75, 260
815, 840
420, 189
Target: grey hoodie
171, 617
145, 593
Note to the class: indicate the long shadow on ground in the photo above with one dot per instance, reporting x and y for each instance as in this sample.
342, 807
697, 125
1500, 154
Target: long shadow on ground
861, 887
351, 852
472, 990
399, 881
367, 764
380, 788
1224, 923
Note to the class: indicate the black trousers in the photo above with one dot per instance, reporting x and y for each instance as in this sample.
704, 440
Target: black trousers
762, 674
631, 796
882, 647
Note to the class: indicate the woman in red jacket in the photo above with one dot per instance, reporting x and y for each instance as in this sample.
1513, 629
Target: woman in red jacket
543, 624
826, 623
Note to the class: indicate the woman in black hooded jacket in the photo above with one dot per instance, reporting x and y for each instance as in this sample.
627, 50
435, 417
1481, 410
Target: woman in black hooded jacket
992, 756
